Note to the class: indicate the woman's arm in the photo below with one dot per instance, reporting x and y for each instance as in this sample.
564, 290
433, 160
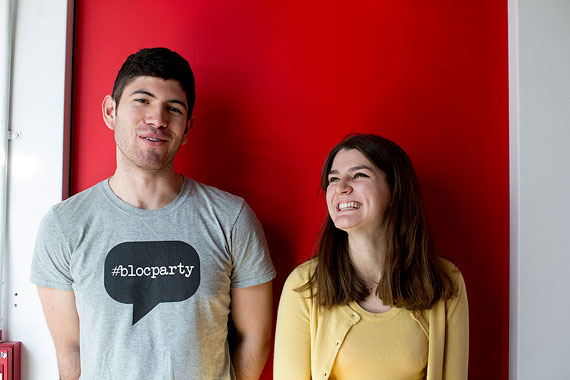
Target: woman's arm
292, 354
456, 355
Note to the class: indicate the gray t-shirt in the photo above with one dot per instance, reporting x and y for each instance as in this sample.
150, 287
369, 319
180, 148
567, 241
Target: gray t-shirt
152, 287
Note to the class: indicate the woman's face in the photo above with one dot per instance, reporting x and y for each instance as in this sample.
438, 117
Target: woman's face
357, 193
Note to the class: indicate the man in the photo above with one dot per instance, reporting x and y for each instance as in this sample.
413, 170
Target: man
137, 275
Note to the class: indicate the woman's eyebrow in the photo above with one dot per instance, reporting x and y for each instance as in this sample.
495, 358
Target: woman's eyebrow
352, 169
359, 167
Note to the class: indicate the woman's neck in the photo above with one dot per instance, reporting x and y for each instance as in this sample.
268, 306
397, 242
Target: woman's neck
367, 257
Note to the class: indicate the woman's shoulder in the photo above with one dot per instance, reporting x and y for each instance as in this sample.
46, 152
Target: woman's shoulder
452, 270
458, 282
301, 274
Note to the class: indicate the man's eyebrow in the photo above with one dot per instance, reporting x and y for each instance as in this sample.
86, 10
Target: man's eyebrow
352, 169
144, 92
148, 93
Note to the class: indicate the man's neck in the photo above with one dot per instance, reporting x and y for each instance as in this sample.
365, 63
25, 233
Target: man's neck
147, 190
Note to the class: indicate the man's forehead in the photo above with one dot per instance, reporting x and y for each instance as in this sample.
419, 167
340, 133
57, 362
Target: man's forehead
155, 86
143, 80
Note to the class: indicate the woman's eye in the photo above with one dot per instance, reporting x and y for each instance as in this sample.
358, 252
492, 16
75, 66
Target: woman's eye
360, 175
174, 109
333, 179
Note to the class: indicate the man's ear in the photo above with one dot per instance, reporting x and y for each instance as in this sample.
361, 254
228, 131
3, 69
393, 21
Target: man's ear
108, 108
189, 125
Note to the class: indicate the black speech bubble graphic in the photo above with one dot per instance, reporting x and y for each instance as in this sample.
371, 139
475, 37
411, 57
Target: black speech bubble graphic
147, 273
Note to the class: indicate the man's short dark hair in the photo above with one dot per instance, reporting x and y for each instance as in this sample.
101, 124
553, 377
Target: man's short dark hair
156, 62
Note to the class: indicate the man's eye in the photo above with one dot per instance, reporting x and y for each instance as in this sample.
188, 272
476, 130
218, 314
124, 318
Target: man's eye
174, 109
141, 100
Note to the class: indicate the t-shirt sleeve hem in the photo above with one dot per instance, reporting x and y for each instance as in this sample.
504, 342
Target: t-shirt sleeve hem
51, 285
254, 281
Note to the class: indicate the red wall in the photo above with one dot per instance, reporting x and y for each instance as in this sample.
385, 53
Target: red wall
279, 83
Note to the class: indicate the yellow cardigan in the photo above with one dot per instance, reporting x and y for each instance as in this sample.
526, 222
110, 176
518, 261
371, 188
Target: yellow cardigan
308, 338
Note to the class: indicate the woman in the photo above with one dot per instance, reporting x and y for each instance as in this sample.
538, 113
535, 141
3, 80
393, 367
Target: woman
375, 302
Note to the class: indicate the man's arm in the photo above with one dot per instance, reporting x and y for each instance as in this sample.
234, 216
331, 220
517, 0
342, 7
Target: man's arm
251, 310
63, 323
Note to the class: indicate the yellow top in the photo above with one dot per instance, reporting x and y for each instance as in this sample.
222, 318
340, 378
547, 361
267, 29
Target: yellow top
381, 345
308, 338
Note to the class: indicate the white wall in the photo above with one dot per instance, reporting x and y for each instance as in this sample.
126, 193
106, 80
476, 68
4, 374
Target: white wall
35, 170
540, 222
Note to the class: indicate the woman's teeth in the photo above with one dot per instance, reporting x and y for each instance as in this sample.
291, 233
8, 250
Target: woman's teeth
348, 206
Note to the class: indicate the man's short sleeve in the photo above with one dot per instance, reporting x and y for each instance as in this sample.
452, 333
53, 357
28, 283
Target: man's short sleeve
52, 256
251, 261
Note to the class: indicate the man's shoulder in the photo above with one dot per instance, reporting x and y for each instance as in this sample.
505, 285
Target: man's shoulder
79, 202
71, 215
215, 195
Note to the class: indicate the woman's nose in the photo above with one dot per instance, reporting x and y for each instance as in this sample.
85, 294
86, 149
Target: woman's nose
344, 186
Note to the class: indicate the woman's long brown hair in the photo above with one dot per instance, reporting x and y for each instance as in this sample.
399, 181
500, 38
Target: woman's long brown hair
413, 276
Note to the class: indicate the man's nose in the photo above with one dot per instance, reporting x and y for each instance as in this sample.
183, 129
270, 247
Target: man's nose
157, 117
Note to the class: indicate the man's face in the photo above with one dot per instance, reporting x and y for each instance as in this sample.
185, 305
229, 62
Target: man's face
150, 124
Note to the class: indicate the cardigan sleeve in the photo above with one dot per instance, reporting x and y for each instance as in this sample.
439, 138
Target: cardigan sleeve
456, 355
292, 354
